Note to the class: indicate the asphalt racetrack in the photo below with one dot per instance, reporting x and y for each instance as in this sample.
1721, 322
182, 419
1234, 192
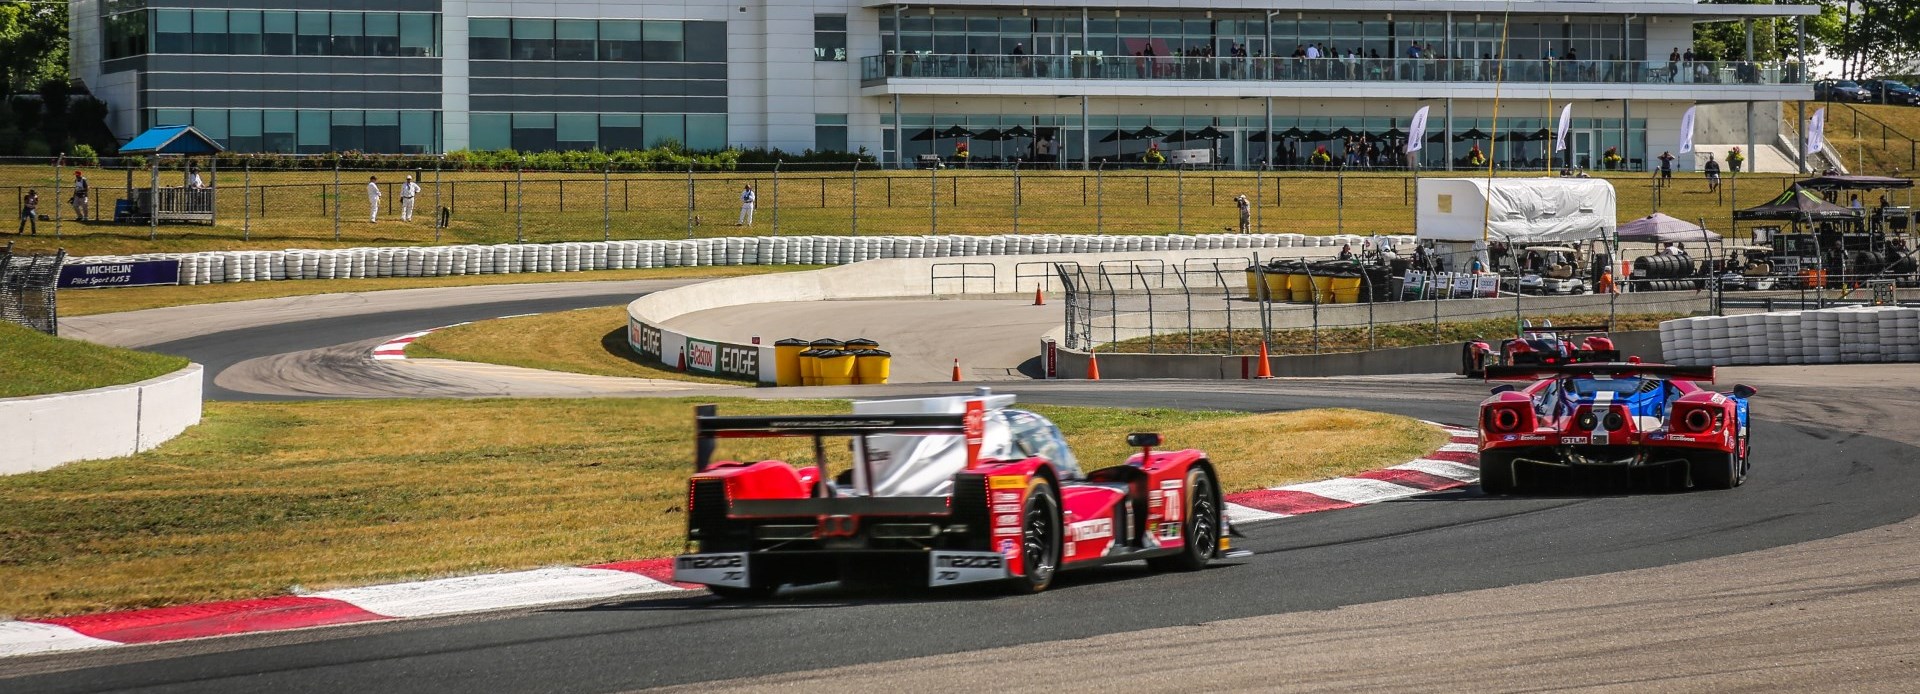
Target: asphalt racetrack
1803, 578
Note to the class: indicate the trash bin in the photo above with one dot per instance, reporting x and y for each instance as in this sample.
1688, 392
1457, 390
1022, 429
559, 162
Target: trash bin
1277, 286
836, 367
1254, 289
1322, 287
860, 343
810, 366
872, 366
1299, 286
828, 344
786, 361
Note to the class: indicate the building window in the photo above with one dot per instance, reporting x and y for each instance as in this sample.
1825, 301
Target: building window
830, 37
276, 34
383, 34
491, 39
830, 132
314, 37
573, 39
619, 40
533, 39
210, 32
173, 31
419, 35
243, 32
662, 41
126, 35
349, 34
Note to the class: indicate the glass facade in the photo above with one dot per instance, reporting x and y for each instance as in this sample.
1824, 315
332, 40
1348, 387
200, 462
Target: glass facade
610, 40
830, 38
540, 132
289, 131
270, 32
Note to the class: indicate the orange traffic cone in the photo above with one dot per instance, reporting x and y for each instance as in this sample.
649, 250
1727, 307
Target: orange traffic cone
1039, 299
1093, 366
956, 370
1266, 367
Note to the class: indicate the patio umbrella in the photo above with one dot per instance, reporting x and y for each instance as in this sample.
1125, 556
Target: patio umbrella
1659, 228
1541, 135
1438, 137
1343, 133
1259, 136
1116, 136
1294, 133
1148, 133
1394, 133
922, 136
956, 131
1472, 134
1207, 133
1018, 131
1176, 136
991, 135
1314, 136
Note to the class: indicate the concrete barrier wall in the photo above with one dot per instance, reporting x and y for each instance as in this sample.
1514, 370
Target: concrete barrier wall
873, 279
44, 431
1380, 362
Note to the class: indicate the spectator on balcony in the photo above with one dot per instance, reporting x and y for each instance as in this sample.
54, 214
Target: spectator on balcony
1673, 64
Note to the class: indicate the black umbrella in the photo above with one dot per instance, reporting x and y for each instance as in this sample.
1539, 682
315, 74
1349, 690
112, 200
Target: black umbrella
1148, 133
922, 136
956, 131
992, 135
1116, 136
1294, 133
1207, 133
1473, 134
1514, 136
1314, 136
1018, 131
1343, 133
1541, 135
1259, 136
1393, 134
1176, 136
1437, 137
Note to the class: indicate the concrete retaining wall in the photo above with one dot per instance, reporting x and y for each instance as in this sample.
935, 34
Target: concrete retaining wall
43, 431
1380, 362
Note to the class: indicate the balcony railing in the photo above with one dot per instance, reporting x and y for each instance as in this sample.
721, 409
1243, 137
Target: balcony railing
877, 68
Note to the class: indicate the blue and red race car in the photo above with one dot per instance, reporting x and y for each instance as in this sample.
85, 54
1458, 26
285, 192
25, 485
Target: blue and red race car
1542, 346
941, 491
1624, 420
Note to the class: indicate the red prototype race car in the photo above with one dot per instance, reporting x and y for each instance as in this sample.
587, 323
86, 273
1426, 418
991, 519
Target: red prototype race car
1546, 345
1629, 419
942, 491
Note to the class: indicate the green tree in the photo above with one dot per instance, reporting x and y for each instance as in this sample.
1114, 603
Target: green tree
33, 44
1773, 38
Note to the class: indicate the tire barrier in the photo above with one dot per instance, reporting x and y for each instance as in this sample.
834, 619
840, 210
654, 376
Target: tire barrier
1662, 267
1853, 334
212, 267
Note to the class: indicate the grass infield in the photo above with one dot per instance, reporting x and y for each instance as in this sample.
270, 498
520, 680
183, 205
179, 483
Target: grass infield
35, 363
586, 341
274, 498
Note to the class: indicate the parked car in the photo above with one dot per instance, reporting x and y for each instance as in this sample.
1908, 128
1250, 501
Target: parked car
1840, 90
1891, 92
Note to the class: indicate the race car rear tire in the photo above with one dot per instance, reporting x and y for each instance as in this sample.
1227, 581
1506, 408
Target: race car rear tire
1713, 470
1041, 538
1200, 538
1472, 362
1497, 476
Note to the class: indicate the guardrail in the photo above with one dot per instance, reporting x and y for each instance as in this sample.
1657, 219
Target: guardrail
876, 69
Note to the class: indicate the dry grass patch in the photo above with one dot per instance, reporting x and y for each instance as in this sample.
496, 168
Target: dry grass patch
84, 302
1385, 336
271, 498
587, 341
35, 363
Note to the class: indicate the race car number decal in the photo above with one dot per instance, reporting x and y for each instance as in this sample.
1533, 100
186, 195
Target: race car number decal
1573, 440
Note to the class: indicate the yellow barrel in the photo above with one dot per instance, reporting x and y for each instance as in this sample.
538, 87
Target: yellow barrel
786, 361
836, 368
1323, 289
1346, 290
1277, 287
810, 366
1254, 290
872, 366
1299, 287
860, 343
828, 344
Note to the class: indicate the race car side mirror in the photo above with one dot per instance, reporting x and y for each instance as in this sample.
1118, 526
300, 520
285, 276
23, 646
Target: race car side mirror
1744, 391
1143, 440
1502, 388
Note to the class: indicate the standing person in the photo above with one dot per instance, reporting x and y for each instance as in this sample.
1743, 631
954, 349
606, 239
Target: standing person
1246, 212
80, 191
1666, 168
747, 198
408, 190
1713, 173
29, 214
373, 200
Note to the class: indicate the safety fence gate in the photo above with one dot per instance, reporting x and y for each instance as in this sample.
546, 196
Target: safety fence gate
27, 286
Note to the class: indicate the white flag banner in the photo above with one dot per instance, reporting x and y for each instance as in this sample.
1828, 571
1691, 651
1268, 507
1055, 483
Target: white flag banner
1686, 131
1417, 130
1566, 118
1817, 131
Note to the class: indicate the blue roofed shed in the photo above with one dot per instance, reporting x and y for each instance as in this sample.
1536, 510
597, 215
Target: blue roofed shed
171, 139
193, 200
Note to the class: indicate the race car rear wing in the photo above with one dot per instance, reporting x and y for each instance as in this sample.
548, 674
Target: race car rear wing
709, 426
1598, 328
1703, 374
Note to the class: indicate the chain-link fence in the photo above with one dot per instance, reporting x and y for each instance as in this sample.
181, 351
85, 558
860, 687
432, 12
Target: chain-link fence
322, 200
1321, 305
27, 289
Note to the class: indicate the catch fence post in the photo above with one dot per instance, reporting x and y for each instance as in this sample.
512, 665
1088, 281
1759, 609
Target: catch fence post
1179, 200
520, 201
933, 199
856, 197
56, 194
776, 197
606, 201
1016, 196
690, 202
336, 198
1259, 184
437, 163
246, 198
1099, 199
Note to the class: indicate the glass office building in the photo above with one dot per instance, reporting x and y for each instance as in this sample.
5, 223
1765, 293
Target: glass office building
1257, 80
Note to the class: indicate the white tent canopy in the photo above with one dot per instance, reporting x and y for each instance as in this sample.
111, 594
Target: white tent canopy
1517, 210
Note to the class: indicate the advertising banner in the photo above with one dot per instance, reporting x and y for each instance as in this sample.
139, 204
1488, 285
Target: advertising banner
134, 273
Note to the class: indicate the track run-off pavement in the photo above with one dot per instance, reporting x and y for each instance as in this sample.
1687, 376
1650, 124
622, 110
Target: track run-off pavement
1803, 578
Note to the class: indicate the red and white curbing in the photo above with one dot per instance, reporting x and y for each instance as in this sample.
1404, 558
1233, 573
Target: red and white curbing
1454, 465
396, 348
